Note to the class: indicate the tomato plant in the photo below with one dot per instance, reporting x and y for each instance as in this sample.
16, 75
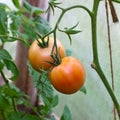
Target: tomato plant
69, 76
16, 102
40, 57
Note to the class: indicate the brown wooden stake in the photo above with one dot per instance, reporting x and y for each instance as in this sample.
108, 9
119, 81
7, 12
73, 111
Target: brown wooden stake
24, 82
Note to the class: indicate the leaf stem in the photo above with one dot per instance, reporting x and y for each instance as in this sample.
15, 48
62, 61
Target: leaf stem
5, 79
14, 105
56, 57
14, 39
95, 65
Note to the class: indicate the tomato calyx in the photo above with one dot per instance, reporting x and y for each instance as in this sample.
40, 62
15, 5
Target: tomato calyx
57, 59
42, 42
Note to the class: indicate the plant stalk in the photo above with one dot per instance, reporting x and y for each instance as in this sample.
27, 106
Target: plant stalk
96, 64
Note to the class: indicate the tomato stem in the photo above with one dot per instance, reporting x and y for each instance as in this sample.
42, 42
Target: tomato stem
97, 67
56, 57
96, 64
15, 38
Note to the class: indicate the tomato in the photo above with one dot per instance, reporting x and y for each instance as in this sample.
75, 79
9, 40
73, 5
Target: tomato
38, 56
69, 76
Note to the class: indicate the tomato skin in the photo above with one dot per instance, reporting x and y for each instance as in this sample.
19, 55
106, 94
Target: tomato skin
69, 76
39, 56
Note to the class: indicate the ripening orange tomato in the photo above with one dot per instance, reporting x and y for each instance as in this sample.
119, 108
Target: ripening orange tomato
39, 56
69, 76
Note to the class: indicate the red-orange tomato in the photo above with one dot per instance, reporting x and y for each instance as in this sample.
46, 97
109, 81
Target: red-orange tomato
39, 56
69, 76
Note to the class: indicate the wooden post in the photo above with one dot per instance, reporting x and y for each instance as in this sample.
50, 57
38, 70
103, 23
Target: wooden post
24, 82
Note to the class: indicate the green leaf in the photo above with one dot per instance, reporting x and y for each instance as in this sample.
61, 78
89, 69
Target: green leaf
1, 66
32, 9
9, 64
52, 118
4, 103
5, 55
3, 6
43, 85
11, 92
55, 101
16, 3
27, 5
83, 89
70, 31
66, 114
31, 117
70, 38
28, 27
15, 22
22, 116
53, 4
16, 116
45, 90
34, 74
44, 110
37, 11
3, 24
33, 25
42, 25
13, 68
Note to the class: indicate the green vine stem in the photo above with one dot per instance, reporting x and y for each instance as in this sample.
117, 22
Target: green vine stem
14, 38
95, 64
5, 79
54, 30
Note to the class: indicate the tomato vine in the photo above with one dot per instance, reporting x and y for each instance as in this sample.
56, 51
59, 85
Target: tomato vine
95, 65
7, 61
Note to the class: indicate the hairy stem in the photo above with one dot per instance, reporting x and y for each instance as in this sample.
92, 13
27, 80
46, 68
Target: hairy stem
54, 30
96, 64
14, 39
